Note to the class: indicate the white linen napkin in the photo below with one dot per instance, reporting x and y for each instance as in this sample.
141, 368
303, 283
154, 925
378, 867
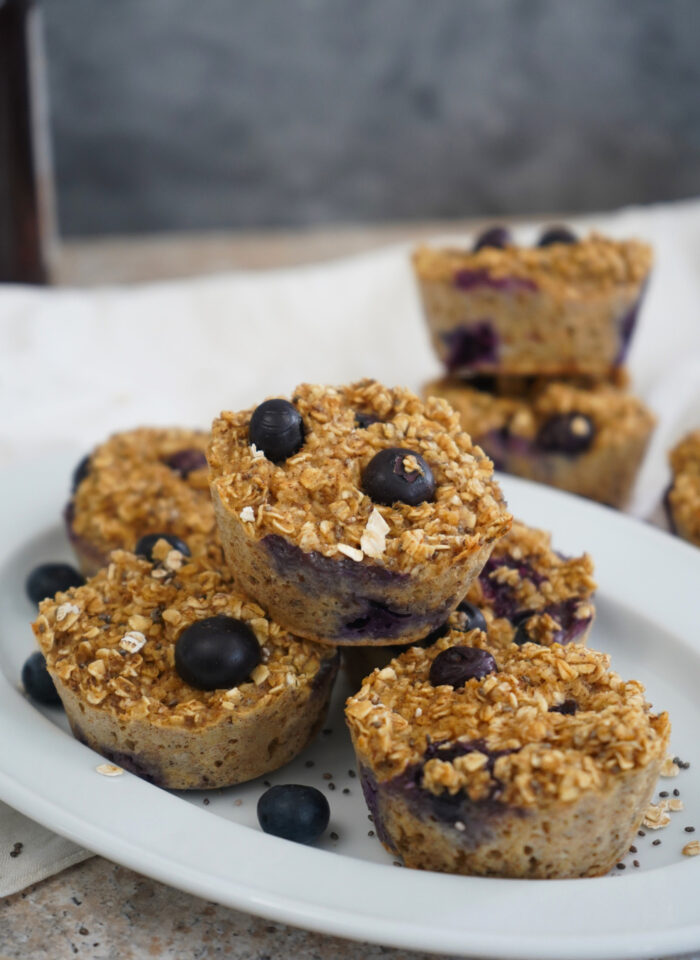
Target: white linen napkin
76, 365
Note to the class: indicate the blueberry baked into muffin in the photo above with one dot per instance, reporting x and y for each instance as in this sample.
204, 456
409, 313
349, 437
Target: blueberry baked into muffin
165, 669
566, 306
356, 514
141, 482
682, 500
525, 592
527, 761
589, 439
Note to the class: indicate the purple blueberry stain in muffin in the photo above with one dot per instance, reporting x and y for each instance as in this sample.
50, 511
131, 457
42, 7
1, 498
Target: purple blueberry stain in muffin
471, 345
186, 462
569, 434
470, 279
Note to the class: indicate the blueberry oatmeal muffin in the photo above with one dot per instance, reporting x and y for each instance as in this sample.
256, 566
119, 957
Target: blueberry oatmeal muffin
588, 439
166, 670
682, 500
566, 306
527, 761
144, 481
526, 592
354, 515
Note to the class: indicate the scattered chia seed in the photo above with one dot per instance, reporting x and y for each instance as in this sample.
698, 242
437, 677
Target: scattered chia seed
334, 836
370, 818
206, 801
327, 732
370, 833
641, 833
690, 829
76, 901
17, 849
83, 931
655, 843
620, 866
683, 764
635, 863
664, 793
346, 789
331, 786
676, 793
266, 783
309, 764
352, 774
633, 849
327, 776
238, 802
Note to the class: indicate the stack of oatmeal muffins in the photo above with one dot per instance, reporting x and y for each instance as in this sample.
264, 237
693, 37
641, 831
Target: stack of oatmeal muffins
534, 341
202, 650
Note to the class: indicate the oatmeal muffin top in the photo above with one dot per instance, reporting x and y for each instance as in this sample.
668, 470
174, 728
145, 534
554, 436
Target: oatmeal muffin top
684, 495
609, 415
535, 722
148, 480
596, 262
318, 496
113, 640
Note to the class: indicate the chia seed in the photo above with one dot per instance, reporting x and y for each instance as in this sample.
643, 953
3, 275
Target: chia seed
664, 793
346, 789
655, 843
633, 849
370, 833
635, 863
17, 849
690, 829
676, 793
309, 764
620, 866
334, 836
327, 776
206, 801
352, 774
641, 833
331, 786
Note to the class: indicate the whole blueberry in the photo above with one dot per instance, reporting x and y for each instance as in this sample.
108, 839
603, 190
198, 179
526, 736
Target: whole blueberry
498, 237
473, 618
557, 234
80, 472
37, 681
294, 812
568, 707
217, 653
185, 462
48, 579
277, 429
144, 548
567, 433
454, 666
386, 479
430, 638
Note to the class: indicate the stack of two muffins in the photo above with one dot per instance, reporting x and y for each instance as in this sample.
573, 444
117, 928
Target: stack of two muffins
534, 341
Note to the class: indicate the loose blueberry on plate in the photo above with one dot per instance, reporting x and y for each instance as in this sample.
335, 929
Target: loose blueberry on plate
567, 433
498, 237
144, 548
186, 462
48, 579
387, 480
557, 234
37, 681
277, 429
454, 666
294, 812
216, 653
474, 618
80, 472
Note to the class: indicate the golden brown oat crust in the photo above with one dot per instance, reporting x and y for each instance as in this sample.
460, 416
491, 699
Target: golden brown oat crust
130, 491
109, 646
684, 495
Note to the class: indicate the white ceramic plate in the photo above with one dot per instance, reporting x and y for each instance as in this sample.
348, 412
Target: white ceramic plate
647, 620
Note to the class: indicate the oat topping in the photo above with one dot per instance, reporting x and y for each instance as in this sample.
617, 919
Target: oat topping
684, 495
595, 261
544, 753
118, 651
315, 497
521, 405
656, 815
109, 770
669, 768
692, 849
130, 491
247, 515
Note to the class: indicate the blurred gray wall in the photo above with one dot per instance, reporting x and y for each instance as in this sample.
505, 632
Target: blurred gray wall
174, 114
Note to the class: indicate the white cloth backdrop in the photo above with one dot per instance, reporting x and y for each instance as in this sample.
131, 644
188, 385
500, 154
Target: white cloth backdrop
76, 365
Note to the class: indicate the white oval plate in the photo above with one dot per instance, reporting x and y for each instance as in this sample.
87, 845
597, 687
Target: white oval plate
647, 620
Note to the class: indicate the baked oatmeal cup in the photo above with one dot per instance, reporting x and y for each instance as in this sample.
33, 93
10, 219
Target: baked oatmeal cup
144, 481
526, 591
554, 310
589, 439
366, 522
527, 761
682, 500
167, 670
